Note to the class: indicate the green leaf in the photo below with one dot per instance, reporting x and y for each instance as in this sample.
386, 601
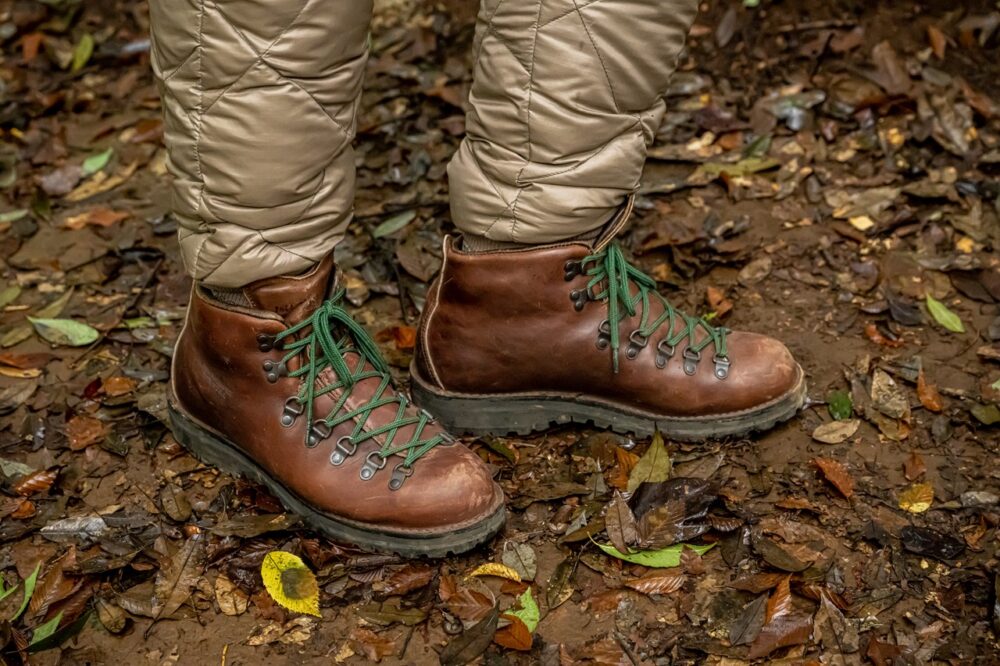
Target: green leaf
65, 332
839, 404
528, 611
82, 52
9, 295
944, 316
13, 215
95, 163
7, 591
660, 559
986, 414
394, 223
653, 466
29, 589
46, 630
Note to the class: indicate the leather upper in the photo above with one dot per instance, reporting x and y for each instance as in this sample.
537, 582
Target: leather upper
504, 322
219, 381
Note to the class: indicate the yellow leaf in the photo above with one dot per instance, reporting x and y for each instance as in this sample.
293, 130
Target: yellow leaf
917, 498
290, 582
496, 569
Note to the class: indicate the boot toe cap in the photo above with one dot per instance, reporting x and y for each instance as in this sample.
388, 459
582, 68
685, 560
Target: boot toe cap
762, 370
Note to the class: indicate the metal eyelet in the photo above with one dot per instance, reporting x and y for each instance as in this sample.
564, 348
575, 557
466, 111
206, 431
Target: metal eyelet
400, 473
603, 335
369, 467
691, 359
579, 298
291, 411
572, 269
722, 364
637, 342
318, 431
265, 342
345, 449
274, 370
664, 352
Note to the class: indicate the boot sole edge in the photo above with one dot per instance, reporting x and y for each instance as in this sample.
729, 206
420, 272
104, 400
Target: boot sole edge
525, 413
215, 451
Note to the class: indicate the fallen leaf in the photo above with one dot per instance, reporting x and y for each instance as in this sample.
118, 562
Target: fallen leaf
496, 569
35, 482
515, 636
471, 643
84, 431
928, 394
836, 432
746, 628
177, 578
660, 559
653, 466
66, 332
98, 217
917, 498
938, 41
836, 474
231, 599
914, 466
620, 524
942, 315
290, 582
780, 601
657, 583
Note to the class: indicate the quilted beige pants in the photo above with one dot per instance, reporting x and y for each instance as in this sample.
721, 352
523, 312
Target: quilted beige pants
261, 96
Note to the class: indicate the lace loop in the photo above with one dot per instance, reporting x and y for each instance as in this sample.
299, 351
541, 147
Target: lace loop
324, 341
627, 291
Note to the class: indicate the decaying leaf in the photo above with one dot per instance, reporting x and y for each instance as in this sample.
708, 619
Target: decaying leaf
620, 524
496, 569
177, 577
290, 582
657, 583
836, 432
837, 475
231, 599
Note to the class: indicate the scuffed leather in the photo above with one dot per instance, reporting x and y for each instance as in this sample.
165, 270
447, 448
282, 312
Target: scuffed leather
218, 380
259, 101
503, 322
566, 97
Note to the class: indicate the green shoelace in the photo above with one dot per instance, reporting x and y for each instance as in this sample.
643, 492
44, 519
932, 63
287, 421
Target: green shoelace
612, 278
323, 349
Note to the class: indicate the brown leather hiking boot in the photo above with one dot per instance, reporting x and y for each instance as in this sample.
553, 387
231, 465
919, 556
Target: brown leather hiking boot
519, 340
294, 394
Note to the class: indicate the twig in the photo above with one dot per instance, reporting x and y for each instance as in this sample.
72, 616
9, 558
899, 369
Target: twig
812, 25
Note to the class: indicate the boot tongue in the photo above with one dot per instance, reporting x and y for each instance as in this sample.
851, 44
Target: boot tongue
293, 297
614, 225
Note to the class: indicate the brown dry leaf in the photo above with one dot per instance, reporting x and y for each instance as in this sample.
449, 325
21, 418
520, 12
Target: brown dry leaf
36, 482
17, 373
466, 604
625, 462
835, 432
928, 394
873, 334
372, 645
780, 601
97, 217
717, 300
84, 431
759, 582
837, 475
26, 361
177, 577
657, 583
917, 498
101, 182
620, 524
24, 509
938, 41
54, 586
231, 599
914, 466
410, 577
404, 337
515, 635
30, 44
782, 632
118, 386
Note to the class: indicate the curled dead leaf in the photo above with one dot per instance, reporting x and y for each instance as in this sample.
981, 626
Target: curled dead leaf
837, 475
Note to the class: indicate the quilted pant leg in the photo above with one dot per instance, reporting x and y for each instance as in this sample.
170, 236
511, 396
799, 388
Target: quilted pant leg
260, 100
566, 97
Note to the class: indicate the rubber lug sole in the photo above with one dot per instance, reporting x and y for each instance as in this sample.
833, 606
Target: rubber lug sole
213, 450
524, 413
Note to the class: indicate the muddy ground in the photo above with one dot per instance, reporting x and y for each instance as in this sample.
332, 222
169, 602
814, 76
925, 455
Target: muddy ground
827, 174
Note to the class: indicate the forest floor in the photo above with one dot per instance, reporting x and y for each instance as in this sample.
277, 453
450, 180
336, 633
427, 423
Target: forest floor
827, 174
